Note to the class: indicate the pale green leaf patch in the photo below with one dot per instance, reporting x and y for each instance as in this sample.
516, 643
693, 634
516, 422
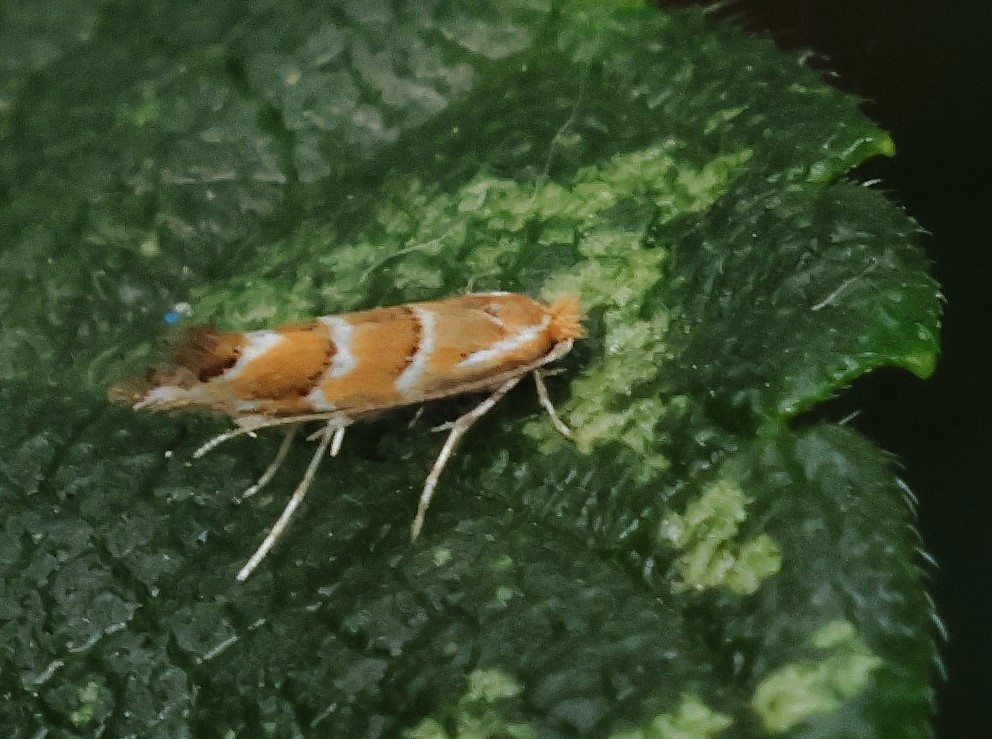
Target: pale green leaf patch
798, 691
710, 554
476, 715
692, 720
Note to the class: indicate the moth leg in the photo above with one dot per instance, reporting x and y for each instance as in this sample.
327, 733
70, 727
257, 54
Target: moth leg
416, 417
216, 441
458, 428
335, 442
270, 472
545, 401
248, 428
332, 435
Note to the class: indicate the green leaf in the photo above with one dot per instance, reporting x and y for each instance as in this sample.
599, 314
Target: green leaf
691, 564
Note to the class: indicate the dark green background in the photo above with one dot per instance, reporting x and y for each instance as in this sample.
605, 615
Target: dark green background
925, 72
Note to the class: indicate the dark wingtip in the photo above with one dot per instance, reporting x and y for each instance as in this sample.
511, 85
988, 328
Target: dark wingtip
129, 391
204, 352
197, 354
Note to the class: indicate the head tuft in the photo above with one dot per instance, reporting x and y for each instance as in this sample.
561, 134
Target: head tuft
566, 320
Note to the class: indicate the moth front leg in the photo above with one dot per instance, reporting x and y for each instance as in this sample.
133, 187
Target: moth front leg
458, 427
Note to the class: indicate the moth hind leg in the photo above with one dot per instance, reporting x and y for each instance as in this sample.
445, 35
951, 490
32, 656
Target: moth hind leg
274, 466
332, 435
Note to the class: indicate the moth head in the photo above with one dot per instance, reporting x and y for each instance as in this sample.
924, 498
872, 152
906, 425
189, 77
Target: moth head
566, 318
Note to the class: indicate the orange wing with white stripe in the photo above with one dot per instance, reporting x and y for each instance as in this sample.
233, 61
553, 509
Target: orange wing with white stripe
339, 368
359, 362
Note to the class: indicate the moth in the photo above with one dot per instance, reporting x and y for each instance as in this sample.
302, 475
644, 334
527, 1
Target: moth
340, 369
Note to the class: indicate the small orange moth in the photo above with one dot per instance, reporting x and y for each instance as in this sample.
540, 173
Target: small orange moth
342, 368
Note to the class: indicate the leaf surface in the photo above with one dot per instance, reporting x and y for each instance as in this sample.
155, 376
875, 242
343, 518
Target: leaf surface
689, 565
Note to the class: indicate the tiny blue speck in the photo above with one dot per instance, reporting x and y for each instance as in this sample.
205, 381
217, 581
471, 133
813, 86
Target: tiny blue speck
171, 317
